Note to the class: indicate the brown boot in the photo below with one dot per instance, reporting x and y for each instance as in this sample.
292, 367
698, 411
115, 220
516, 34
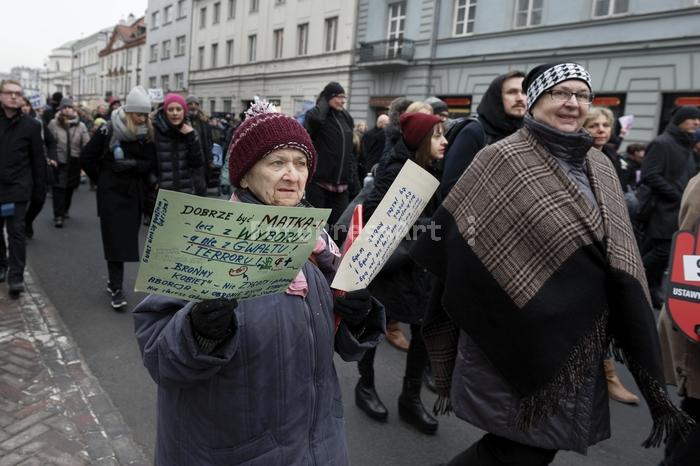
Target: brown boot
616, 390
395, 336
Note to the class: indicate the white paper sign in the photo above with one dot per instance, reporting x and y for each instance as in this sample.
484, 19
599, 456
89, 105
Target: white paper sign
393, 218
626, 121
156, 95
691, 268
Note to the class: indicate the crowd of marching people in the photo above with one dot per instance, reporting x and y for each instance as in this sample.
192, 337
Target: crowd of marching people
547, 272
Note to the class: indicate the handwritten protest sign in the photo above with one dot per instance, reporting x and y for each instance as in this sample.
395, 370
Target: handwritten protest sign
391, 221
199, 248
155, 94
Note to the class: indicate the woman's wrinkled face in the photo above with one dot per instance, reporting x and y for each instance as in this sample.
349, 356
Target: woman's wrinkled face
600, 129
279, 178
175, 113
438, 143
564, 115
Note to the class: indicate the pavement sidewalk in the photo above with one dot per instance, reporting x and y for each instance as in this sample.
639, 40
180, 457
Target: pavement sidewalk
52, 409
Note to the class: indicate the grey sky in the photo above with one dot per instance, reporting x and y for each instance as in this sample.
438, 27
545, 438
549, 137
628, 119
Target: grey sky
31, 28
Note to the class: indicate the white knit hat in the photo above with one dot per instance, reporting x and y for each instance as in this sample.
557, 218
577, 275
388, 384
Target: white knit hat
138, 101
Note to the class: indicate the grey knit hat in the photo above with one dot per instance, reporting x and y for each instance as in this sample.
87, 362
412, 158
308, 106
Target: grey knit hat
193, 98
138, 101
65, 102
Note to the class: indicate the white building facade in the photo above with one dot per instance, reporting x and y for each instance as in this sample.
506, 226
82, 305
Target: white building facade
86, 83
56, 76
167, 52
643, 55
121, 60
29, 78
285, 51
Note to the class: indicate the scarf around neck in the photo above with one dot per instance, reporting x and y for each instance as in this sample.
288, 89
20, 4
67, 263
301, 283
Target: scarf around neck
542, 281
121, 132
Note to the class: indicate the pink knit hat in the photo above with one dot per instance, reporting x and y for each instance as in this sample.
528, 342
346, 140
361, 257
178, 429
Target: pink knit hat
264, 131
171, 98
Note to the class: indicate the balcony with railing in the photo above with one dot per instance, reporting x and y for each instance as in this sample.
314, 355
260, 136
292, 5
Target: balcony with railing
391, 53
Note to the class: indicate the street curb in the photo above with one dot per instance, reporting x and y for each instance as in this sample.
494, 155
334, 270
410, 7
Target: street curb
76, 392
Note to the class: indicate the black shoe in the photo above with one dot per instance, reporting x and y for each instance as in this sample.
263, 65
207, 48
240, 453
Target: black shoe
411, 408
428, 379
29, 231
367, 400
118, 300
3, 273
58, 222
15, 289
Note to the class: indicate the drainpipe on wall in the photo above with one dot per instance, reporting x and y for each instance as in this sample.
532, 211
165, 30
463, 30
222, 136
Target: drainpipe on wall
433, 47
353, 38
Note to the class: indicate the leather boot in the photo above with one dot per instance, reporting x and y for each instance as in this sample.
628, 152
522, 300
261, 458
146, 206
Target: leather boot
616, 390
395, 336
367, 400
411, 408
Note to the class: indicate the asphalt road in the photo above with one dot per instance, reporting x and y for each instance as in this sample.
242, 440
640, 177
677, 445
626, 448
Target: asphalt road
69, 265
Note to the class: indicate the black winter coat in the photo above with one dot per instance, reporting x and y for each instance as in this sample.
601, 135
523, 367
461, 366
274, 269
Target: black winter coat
331, 133
401, 286
373, 147
176, 155
22, 159
667, 167
120, 194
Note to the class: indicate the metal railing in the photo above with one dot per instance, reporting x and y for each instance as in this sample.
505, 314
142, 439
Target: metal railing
391, 49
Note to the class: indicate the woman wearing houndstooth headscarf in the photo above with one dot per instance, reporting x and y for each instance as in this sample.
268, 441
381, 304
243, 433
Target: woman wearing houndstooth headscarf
539, 273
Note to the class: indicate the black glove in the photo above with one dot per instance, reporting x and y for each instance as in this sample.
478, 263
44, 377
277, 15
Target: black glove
213, 318
354, 307
123, 165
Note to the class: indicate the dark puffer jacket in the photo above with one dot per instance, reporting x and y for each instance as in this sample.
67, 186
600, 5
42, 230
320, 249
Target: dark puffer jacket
401, 286
177, 154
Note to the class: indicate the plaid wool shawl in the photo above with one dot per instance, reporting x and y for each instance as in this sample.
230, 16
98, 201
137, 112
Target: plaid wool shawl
542, 280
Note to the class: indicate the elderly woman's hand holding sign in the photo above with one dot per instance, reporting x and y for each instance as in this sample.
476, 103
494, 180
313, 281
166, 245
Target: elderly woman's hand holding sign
253, 381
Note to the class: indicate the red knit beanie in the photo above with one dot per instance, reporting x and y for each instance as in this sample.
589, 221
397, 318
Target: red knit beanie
415, 126
263, 132
174, 98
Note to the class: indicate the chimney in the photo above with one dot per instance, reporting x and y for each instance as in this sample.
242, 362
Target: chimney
131, 18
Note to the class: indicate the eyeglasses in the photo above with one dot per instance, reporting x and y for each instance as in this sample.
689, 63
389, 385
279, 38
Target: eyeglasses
561, 95
13, 93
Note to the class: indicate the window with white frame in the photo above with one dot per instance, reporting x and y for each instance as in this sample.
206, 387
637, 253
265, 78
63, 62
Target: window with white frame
152, 55
179, 80
200, 57
167, 14
181, 12
154, 19
465, 14
214, 55
165, 82
528, 13
217, 13
252, 47
180, 46
331, 28
302, 39
254, 6
231, 9
278, 41
229, 52
165, 50
606, 8
202, 18
395, 28
152, 82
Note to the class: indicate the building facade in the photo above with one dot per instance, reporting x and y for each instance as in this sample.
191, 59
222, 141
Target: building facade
29, 78
86, 82
56, 77
643, 55
282, 50
121, 59
166, 58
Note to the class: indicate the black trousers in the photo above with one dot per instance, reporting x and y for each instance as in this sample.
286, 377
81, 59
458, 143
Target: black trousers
16, 244
33, 210
116, 274
685, 452
493, 450
655, 255
323, 199
62, 198
416, 359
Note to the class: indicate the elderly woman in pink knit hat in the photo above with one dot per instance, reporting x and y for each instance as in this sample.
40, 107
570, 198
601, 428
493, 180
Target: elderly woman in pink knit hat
253, 382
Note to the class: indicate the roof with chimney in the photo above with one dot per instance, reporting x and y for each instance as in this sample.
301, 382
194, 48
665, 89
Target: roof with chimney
125, 36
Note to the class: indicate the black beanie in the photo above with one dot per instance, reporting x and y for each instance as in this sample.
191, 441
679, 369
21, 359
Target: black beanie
56, 97
331, 90
686, 112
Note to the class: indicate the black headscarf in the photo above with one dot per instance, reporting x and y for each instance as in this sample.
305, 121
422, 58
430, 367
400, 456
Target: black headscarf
491, 111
